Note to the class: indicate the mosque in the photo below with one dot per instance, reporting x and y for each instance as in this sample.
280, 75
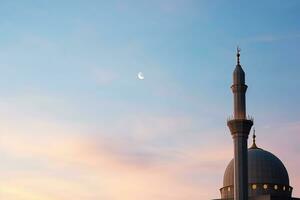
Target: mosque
253, 173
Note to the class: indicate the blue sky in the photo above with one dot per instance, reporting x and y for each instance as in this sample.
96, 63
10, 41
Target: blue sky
71, 67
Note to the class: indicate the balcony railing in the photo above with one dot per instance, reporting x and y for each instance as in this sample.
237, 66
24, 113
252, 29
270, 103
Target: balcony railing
248, 117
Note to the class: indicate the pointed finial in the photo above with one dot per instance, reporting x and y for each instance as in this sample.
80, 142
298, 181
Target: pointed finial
253, 139
238, 50
254, 136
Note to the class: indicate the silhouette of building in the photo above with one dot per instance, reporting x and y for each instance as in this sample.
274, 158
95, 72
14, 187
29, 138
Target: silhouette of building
253, 173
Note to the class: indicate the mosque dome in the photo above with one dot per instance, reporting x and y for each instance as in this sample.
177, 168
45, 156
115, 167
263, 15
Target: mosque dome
266, 175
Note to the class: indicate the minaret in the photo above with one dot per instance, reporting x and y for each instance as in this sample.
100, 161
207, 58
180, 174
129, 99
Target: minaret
240, 127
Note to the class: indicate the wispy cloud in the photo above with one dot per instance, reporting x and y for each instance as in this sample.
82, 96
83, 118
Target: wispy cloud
104, 76
63, 162
272, 37
138, 158
52, 161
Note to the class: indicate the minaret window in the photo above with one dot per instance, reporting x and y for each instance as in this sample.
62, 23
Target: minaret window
283, 188
275, 187
254, 186
265, 186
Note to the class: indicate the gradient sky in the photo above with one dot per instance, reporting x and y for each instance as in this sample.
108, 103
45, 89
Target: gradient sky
77, 124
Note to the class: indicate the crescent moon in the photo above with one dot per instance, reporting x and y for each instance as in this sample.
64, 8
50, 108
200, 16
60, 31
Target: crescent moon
141, 76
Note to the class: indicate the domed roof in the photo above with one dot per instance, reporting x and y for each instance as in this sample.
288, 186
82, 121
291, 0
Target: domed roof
263, 167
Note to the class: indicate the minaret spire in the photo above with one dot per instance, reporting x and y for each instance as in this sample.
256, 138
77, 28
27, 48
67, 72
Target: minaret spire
254, 136
238, 50
239, 89
240, 127
254, 146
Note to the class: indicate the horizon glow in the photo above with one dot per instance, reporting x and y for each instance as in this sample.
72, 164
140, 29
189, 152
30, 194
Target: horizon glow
76, 123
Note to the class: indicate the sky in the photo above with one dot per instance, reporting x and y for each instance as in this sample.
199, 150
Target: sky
76, 123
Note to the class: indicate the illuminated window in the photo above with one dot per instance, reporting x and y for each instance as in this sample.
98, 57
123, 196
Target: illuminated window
265, 186
254, 187
228, 189
283, 188
275, 187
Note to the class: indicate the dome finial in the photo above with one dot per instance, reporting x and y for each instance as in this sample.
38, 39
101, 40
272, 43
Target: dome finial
253, 139
238, 51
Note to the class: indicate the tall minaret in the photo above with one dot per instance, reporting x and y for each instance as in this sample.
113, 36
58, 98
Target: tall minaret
240, 127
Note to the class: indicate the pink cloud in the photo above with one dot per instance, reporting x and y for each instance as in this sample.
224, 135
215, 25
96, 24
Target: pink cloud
73, 166
49, 160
